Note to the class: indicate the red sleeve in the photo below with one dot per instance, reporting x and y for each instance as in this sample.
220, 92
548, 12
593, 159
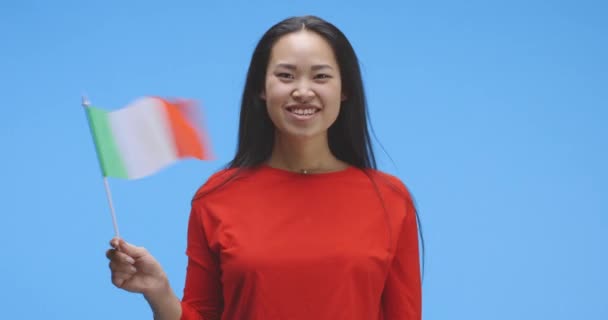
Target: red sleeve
202, 292
402, 296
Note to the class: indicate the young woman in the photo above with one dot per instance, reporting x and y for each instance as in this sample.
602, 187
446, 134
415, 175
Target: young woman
300, 225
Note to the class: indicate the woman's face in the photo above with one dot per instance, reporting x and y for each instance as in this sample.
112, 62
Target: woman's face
303, 89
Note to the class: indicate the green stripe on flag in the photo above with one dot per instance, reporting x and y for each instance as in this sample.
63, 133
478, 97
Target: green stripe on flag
107, 150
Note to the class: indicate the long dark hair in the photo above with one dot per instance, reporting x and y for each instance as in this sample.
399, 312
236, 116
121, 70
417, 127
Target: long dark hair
348, 137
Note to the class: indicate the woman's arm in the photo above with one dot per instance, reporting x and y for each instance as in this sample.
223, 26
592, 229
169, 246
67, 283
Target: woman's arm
402, 296
203, 298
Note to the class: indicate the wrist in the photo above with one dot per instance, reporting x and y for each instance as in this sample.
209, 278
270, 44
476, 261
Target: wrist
163, 302
159, 291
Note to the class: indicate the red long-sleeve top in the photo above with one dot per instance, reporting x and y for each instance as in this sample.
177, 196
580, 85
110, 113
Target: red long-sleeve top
273, 244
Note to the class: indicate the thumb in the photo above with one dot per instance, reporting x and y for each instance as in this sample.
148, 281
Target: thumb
131, 250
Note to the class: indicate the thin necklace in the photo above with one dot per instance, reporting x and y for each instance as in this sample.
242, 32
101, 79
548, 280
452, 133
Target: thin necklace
310, 171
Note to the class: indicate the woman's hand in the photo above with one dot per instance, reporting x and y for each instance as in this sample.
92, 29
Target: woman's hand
134, 269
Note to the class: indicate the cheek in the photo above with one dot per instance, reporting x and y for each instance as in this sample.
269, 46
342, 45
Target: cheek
276, 93
331, 95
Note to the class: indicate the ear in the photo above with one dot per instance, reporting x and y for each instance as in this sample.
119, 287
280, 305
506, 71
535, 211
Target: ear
343, 98
263, 95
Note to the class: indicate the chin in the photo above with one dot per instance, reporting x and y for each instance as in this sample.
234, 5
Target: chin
302, 134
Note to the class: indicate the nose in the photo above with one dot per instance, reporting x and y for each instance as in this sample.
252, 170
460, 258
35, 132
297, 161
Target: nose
302, 93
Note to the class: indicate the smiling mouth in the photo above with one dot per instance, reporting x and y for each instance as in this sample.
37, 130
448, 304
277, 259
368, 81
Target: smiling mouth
303, 110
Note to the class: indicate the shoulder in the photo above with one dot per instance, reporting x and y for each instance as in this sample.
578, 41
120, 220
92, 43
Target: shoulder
387, 182
392, 189
215, 182
396, 193
229, 182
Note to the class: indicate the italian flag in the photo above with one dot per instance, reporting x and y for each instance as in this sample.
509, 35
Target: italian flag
146, 136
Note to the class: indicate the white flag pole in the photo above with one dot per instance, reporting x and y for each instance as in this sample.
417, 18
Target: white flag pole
86, 103
109, 196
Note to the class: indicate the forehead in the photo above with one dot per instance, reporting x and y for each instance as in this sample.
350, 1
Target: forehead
302, 47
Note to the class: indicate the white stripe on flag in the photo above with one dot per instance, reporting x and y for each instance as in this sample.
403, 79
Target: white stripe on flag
144, 138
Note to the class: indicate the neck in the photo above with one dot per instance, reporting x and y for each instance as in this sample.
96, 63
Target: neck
304, 155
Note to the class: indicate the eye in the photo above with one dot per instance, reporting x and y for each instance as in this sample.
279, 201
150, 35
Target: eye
285, 75
322, 76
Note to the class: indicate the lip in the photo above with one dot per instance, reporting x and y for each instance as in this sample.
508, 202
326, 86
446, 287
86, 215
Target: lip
301, 117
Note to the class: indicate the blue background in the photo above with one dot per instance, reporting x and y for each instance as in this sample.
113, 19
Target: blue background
494, 113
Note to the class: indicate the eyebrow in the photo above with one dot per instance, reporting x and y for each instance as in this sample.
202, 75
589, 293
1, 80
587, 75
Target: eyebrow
316, 67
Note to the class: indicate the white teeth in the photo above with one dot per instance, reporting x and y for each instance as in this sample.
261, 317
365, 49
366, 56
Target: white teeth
305, 112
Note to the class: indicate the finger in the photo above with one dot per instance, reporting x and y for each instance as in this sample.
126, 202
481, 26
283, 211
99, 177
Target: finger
110, 253
122, 268
118, 256
123, 257
131, 250
119, 278
114, 242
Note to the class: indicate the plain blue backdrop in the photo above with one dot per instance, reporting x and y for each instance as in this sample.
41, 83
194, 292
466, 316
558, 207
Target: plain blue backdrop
494, 114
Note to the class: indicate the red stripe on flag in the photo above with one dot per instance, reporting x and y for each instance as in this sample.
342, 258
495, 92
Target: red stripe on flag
189, 136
